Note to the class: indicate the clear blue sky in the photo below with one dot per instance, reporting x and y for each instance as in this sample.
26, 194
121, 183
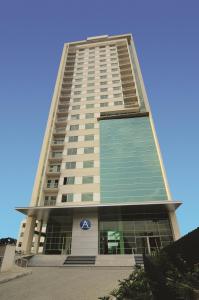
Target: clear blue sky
32, 34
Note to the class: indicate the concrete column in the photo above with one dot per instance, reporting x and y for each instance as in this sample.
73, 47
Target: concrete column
28, 235
174, 225
37, 236
85, 242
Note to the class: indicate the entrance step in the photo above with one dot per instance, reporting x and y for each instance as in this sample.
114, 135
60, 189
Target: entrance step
80, 260
139, 260
109, 260
43, 260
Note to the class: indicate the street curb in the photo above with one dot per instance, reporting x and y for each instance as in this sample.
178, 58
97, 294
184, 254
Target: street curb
14, 276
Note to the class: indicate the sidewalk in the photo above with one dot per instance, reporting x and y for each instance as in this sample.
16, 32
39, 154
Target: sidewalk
15, 272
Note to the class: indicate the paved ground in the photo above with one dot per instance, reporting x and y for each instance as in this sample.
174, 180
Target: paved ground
54, 283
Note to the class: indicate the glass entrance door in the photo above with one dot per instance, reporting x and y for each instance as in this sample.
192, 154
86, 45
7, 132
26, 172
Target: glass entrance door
147, 245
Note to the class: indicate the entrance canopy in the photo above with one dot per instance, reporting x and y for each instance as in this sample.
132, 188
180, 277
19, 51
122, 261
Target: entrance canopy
44, 212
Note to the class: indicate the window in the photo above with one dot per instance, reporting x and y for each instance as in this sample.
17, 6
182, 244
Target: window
102, 71
49, 200
76, 100
91, 84
77, 93
104, 97
89, 105
54, 168
114, 64
103, 83
91, 61
114, 69
89, 115
117, 95
19, 244
74, 127
102, 60
56, 154
104, 104
91, 67
24, 225
118, 103
102, 66
103, 77
69, 180
91, 78
90, 91
88, 164
103, 90
74, 107
79, 74
88, 150
90, 98
72, 151
116, 81
77, 86
87, 197
74, 117
89, 137
113, 59
87, 179
79, 79
72, 139
52, 183
89, 125
70, 165
91, 72
115, 75
67, 197
116, 88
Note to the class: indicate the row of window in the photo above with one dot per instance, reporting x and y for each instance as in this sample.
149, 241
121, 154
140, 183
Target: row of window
80, 74
94, 72
86, 126
70, 165
71, 180
88, 137
93, 78
91, 64
112, 47
104, 104
87, 116
86, 164
84, 197
92, 84
102, 97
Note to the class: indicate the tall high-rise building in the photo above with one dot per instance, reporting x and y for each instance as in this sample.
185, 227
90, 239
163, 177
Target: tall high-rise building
100, 186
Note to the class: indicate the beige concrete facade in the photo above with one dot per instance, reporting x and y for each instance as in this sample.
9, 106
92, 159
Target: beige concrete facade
96, 77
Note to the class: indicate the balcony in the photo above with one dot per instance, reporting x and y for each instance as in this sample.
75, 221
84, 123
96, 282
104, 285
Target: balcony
65, 93
125, 66
127, 78
128, 84
53, 170
64, 100
50, 202
123, 55
61, 122
57, 144
129, 90
66, 85
126, 72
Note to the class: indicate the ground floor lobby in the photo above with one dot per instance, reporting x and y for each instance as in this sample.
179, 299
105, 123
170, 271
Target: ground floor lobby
104, 231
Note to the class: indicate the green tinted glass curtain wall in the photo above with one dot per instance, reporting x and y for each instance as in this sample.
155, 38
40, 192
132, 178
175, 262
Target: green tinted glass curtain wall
129, 164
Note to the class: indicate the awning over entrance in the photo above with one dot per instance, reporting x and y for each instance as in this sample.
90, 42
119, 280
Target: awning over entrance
43, 212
